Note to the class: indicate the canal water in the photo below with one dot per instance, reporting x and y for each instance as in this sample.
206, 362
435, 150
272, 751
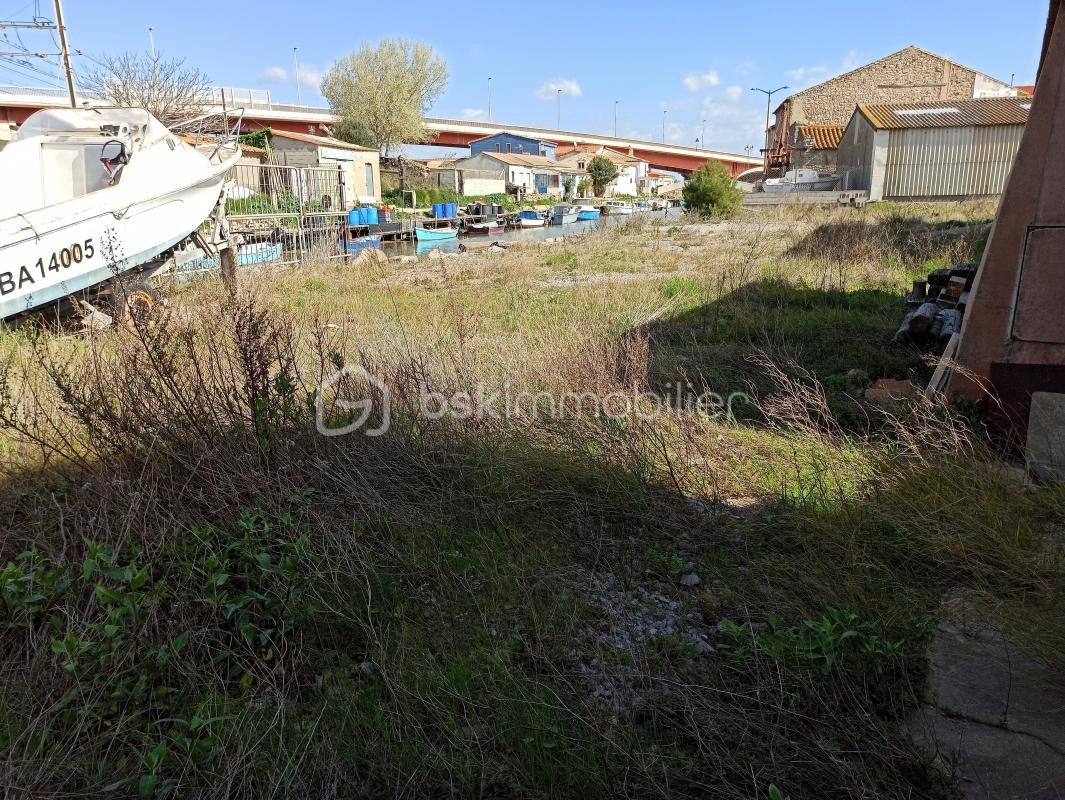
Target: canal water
524, 234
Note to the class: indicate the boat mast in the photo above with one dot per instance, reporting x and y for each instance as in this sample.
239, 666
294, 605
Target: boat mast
65, 52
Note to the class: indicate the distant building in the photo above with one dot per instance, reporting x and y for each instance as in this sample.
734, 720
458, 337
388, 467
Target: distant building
361, 165
653, 181
960, 148
491, 172
507, 142
807, 122
631, 170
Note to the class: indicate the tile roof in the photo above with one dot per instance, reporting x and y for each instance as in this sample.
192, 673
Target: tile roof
526, 160
821, 137
948, 113
321, 141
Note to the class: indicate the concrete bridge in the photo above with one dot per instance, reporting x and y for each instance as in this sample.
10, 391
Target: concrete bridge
17, 103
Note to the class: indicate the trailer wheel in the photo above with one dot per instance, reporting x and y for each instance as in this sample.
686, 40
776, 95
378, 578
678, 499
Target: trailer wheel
133, 304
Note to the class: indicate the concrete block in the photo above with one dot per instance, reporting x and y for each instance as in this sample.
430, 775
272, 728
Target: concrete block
1045, 448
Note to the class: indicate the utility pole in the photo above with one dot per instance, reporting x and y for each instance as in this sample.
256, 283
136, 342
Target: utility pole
489, 99
615, 119
558, 109
664, 112
768, 99
296, 65
65, 52
151, 42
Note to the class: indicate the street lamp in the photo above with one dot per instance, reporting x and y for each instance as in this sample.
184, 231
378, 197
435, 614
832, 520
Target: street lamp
702, 138
768, 99
615, 119
296, 64
489, 99
664, 112
558, 109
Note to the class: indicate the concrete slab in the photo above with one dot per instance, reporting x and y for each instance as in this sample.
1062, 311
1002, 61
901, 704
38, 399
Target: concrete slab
1045, 446
994, 718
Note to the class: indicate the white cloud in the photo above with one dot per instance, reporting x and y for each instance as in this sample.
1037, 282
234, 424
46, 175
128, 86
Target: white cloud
733, 93
550, 89
475, 114
273, 75
802, 77
310, 77
694, 82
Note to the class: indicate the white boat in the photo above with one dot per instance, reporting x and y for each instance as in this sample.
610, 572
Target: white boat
618, 207
564, 214
531, 219
101, 191
800, 180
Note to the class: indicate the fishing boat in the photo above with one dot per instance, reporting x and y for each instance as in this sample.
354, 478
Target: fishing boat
587, 212
359, 243
531, 219
617, 207
435, 234
564, 214
101, 193
489, 227
800, 180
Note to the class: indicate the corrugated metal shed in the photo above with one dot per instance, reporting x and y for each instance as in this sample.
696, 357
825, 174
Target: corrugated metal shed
950, 162
948, 114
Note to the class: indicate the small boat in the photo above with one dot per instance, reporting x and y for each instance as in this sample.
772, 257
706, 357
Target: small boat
564, 214
800, 180
617, 207
531, 219
587, 212
371, 242
435, 234
101, 192
487, 228
247, 255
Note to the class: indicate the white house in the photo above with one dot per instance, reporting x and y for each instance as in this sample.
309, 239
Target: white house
515, 172
632, 171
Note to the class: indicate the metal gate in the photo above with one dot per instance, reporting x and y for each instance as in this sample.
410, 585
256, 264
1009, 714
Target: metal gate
288, 215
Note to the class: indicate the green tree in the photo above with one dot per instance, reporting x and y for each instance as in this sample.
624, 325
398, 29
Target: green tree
386, 90
712, 191
602, 171
353, 131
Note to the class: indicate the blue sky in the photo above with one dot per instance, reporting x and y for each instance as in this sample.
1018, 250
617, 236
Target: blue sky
695, 60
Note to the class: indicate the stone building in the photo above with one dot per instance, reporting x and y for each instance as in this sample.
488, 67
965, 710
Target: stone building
808, 124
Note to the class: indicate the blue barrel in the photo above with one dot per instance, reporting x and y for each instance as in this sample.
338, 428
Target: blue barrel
438, 210
362, 215
452, 210
353, 216
371, 216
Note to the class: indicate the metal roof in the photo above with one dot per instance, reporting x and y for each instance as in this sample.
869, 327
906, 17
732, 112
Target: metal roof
822, 137
979, 112
321, 141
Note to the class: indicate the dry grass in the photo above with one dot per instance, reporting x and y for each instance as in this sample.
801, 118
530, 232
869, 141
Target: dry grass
205, 597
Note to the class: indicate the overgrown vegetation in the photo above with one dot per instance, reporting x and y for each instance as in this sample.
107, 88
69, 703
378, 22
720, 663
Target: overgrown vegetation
712, 192
204, 596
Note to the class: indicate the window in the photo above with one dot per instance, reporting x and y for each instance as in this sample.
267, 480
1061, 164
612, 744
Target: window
368, 168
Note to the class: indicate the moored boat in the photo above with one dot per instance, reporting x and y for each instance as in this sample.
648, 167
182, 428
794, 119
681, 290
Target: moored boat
102, 191
435, 234
489, 227
371, 242
617, 207
587, 213
531, 219
800, 180
564, 214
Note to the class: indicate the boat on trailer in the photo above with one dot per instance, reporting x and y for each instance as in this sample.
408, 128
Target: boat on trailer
800, 180
102, 192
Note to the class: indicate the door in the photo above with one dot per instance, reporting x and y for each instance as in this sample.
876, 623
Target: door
368, 168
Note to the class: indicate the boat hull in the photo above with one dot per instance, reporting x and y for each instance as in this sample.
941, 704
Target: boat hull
532, 223
484, 228
434, 234
588, 215
53, 255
